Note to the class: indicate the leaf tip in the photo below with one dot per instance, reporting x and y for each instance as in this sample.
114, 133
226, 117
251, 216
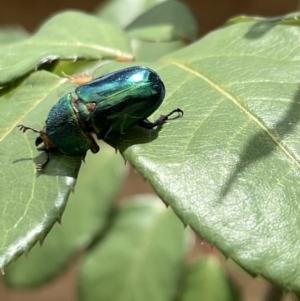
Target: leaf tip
41, 241
46, 60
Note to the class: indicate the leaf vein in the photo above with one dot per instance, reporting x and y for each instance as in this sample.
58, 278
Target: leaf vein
236, 102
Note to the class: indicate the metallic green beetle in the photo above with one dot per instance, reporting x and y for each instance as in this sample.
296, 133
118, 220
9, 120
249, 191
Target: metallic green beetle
107, 106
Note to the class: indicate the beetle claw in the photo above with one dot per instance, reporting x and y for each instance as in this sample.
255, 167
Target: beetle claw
179, 111
162, 119
24, 128
39, 167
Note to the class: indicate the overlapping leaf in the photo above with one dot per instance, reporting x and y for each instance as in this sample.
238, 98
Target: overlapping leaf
30, 203
165, 28
165, 22
230, 166
156, 27
86, 215
9, 34
139, 259
30, 210
151, 51
202, 278
68, 36
113, 11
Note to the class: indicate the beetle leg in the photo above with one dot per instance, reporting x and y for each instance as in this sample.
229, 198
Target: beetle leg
24, 128
146, 124
40, 167
162, 119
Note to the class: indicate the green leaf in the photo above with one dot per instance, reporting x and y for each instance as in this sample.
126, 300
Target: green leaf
166, 22
67, 36
163, 29
113, 11
139, 259
10, 34
87, 213
30, 203
67, 68
151, 51
230, 167
201, 280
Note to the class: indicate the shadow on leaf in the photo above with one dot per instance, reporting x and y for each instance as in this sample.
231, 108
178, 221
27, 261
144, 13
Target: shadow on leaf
259, 29
136, 135
262, 144
59, 164
62, 165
